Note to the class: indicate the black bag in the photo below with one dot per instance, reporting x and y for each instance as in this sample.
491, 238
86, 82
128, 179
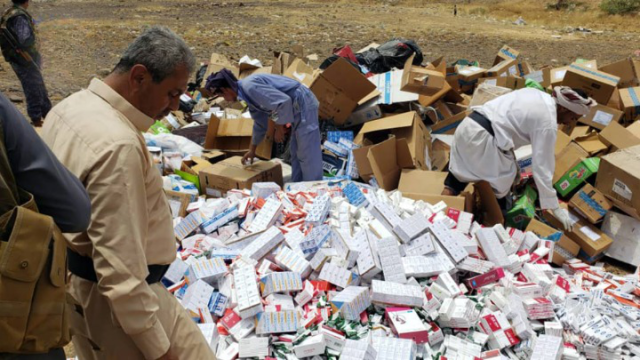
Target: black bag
392, 54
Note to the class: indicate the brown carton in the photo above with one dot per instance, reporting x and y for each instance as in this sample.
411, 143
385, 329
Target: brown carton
230, 174
634, 129
427, 186
600, 116
630, 101
593, 242
625, 70
449, 125
217, 63
420, 80
504, 68
590, 203
407, 128
301, 72
339, 89
618, 137
233, 136
619, 179
566, 159
181, 201
509, 82
597, 84
556, 75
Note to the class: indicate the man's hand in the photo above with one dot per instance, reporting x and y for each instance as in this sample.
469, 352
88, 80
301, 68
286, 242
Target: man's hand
168, 356
563, 216
247, 159
279, 135
447, 191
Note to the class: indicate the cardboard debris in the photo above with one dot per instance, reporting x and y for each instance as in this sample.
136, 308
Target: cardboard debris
389, 268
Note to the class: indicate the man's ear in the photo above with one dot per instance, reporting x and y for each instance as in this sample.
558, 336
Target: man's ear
138, 77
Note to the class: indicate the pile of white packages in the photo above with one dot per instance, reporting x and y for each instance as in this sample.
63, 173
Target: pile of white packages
343, 271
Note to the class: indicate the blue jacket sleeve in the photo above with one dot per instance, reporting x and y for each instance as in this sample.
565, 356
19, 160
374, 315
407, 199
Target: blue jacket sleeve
57, 192
260, 127
270, 99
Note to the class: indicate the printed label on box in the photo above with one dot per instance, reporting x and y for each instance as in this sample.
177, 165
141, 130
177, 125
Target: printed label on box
590, 233
602, 118
622, 189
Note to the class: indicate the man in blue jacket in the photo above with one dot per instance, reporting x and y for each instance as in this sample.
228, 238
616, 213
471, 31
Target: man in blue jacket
285, 101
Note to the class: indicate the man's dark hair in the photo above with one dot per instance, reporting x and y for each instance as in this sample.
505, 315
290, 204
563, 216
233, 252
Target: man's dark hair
19, 2
160, 50
581, 92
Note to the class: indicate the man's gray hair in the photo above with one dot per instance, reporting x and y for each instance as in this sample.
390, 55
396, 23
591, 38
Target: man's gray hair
160, 50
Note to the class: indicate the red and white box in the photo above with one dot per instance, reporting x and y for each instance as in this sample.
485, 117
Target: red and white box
407, 325
538, 308
501, 334
486, 278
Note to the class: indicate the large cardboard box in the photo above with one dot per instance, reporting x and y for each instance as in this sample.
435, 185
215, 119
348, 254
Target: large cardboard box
618, 137
217, 63
590, 203
619, 179
542, 76
567, 158
448, 126
388, 86
599, 85
427, 186
601, 116
339, 89
504, 68
542, 230
634, 129
230, 174
233, 136
625, 70
556, 75
630, 99
509, 82
420, 80
576, 176
624, 231
468, 77
593, 242
408, 128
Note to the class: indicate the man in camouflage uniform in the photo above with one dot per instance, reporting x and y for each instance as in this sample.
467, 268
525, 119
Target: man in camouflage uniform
20, 48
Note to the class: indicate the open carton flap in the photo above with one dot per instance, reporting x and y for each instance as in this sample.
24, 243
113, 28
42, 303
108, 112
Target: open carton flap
420, 181
234, 135
566, 159
217, 63
364, 166
491, 212
618, 136
421, 80
344, 76
383, 160
388, 123
301, 72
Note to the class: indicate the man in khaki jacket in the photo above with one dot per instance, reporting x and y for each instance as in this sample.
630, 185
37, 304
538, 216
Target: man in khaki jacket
123, 311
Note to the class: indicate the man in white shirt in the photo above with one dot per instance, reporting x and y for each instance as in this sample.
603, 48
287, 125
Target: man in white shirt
483, 144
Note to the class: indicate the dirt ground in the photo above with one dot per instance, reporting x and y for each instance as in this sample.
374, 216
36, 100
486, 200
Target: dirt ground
82, 39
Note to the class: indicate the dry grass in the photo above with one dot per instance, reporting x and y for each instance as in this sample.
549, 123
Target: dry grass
584, 13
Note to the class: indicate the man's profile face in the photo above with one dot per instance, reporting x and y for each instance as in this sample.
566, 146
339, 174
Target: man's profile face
157, 100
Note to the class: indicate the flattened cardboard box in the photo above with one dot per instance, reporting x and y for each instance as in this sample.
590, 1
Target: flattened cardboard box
590, 203
234, 136
339, 89
509, 82
406, 127
543, 230
600, 116
229, 174
597, 84
619, 179
593, 242
591, 144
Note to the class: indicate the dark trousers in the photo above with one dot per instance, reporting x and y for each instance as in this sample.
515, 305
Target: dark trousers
57, 354
35, 91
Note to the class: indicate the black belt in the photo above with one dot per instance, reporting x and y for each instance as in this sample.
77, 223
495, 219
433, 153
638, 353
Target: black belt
482, 121
82, 266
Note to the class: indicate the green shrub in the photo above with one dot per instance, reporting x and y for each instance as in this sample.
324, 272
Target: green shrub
617, 7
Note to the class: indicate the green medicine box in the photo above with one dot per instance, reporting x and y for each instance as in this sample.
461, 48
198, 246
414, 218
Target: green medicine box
577, 175
523, 210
